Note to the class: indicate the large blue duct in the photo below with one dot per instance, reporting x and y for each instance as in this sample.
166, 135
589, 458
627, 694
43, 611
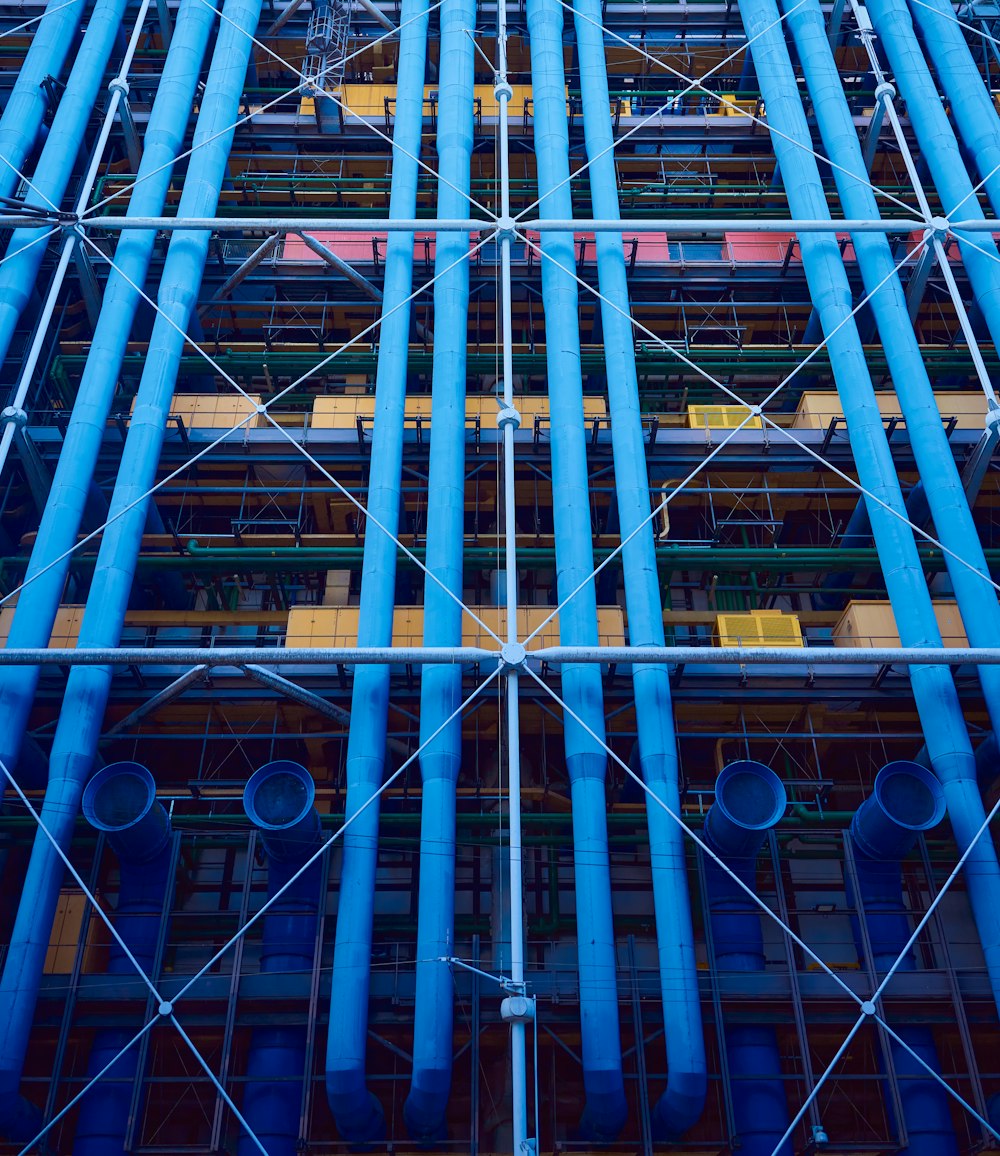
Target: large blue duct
441, 686
586, 761
120, 800
970, 101
933, 688
682, 1103
87, 689
45, 579
941, 487
939, 150
905, 801
358, 1114
749, 800
51, 40
51, 176
279, 801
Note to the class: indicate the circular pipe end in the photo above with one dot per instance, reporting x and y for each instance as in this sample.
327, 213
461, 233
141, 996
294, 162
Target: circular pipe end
120, 800
279, 795
749, 800
906, 800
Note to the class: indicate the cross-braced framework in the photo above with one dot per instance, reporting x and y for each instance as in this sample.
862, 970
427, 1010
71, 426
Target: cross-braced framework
513, 660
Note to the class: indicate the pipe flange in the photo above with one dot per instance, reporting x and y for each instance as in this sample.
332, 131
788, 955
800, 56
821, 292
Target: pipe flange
513, 656
13, 414
502, 90
119, 84
885, 91
508, 416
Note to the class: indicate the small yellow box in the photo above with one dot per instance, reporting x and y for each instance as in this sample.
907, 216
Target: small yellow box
758, 628
721, 417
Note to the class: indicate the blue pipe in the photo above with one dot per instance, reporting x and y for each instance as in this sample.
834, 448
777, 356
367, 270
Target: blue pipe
939, 149
441, 687
749, 800
933, 687
38, 602
906, 800
55, 165
278, 799
120, 800
87, 689
51, 40
940, 489
357, 1112
970, 101
606, 1107
682, 1103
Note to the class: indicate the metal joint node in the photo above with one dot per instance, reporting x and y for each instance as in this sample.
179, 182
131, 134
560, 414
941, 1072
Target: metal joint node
119, 84
512, 656
868, 1008
937, 229
14, 414
517, 1009
508, 416
502, 90
992, 419
506, 228
166, 1008
885, 91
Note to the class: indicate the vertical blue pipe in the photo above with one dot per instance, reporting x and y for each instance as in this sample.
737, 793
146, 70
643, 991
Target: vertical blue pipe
749, 800
941, 487
279, 800
358, 1114
970, 101
606, 1108
86, 694
441, 686
64, 509
939, 149
51, 39
120, 800
933, 688
681, 1104
55, 165
906, 800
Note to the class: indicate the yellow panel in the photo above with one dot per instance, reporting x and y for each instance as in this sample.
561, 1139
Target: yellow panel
337, 411
816, 410
872, 623
758, 628
65, 629
368, 100
720, 417
213, 410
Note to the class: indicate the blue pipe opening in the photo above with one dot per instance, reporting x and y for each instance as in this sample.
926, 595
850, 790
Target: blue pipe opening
279, 800
749, 801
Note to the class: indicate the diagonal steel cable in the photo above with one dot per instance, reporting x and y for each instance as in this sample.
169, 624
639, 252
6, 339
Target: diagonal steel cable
35, 241
693, 85
263, 409
36, 19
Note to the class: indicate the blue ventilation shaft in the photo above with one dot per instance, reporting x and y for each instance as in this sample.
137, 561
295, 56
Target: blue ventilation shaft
933, 688
606, 1108
939, 149
55, 165
906, 800
941, 487
682, 1103
969, 99
441, 686
357, 1112
120, 801
51, 39
38, 602
278, 800
749, 801
87, 689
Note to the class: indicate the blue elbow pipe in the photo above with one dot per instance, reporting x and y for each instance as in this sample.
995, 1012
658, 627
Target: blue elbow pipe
906, 800
26, 247
441, 687
940, 490
606, 1108
749, 801
87, 689
939, 150
45, 579
358, 1114
120, 801
682, 1103
970, 101
933, 687
278, 800
51, 39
